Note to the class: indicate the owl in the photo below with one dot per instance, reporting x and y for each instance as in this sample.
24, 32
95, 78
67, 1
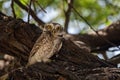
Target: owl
49, 43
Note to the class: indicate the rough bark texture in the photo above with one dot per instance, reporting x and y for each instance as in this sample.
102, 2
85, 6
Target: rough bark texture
17, 37
73, 62
110, 34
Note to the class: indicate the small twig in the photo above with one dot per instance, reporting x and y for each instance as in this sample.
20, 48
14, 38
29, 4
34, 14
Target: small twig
67, 14
29, 11
32, 13
13, 10
112, 44
34, 6
63, 6
41, 7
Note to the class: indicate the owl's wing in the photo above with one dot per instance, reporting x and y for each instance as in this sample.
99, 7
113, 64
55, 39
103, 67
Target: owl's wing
57, 44
34, 49
36, 46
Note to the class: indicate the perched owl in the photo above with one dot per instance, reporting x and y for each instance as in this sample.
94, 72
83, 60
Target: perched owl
47, 44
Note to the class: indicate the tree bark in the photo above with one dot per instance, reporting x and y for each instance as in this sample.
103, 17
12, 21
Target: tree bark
110, 33
72, 62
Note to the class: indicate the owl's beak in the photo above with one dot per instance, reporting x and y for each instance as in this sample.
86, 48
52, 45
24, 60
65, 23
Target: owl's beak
60, 35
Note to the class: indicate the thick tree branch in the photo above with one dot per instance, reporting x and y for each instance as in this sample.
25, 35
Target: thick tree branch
17, 39
49, 73
110, 33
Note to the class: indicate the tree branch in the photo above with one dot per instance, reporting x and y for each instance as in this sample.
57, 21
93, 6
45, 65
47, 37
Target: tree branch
67, 14
110, 33
13, 10
91, 27
40, 22
18, 37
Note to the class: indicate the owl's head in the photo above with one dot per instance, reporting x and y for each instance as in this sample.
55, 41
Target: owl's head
54, 28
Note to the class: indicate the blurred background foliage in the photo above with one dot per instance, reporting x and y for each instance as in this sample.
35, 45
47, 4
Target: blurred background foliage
99, 13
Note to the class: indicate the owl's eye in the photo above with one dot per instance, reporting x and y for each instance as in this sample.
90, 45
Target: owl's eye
48, 27
58, 28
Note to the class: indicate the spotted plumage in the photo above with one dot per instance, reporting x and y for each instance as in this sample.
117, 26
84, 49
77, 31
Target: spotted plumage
47, 44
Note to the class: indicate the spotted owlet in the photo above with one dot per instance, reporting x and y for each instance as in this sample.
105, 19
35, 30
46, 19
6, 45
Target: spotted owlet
47, 44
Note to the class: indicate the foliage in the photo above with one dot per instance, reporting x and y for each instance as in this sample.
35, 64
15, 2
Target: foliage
96, 12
